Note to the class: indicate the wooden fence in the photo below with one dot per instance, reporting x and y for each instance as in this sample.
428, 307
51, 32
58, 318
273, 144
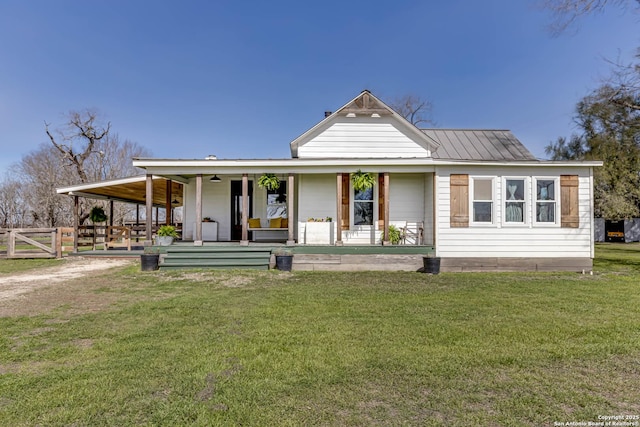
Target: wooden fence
53, 242
30, 242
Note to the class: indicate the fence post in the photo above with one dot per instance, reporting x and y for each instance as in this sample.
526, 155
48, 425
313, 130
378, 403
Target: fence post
11, 244
58, 242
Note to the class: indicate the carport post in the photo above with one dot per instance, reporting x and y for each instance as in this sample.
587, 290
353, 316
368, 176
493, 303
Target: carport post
149, 211
76, 220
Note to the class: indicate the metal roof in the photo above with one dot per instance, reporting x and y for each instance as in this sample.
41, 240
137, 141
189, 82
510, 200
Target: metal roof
478, 144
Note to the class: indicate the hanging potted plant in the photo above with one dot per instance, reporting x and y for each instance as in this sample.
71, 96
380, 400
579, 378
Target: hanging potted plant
97, 215
269, 181
362, 181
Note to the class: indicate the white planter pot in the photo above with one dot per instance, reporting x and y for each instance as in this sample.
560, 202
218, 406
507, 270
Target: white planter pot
319, 233
164, 240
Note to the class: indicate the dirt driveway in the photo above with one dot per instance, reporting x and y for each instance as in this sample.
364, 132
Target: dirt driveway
35, 291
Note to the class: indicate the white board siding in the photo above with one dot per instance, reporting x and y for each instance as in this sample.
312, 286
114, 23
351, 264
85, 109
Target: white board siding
316, 198
406, 192
215, 204
362, 138
500, 240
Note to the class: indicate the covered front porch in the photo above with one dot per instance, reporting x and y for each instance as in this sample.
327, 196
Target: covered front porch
316, 202
313, 205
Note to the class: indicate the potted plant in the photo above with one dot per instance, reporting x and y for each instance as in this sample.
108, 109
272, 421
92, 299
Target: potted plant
269, 181
394, 235
362, 181
431, 264
207, 219
284, 259
166, 234
150, 258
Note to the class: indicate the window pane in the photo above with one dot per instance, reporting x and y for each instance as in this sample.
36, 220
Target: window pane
482, 189
514, 212
546, 212
515, 189
545, 189
277, 202
364, 195
363, 213
276, 211
482, 211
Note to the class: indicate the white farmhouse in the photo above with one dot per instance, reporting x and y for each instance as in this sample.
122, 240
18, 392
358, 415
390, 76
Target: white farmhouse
477, 199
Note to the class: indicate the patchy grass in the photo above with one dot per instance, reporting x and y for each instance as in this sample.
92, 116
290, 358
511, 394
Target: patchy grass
9, 266
305, 348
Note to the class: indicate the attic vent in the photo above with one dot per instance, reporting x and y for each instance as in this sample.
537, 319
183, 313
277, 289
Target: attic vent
211, 157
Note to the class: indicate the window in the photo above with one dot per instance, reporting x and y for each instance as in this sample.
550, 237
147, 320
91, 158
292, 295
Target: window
483, 200
363, 207
277, 202
515, 206
545, 201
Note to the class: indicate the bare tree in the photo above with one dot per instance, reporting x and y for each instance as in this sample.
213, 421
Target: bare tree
82, 150
623, 87
13, 206
84, 130
416, 110
566, 12
41, 171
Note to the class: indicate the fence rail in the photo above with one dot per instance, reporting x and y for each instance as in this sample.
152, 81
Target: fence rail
30, 242
52, 242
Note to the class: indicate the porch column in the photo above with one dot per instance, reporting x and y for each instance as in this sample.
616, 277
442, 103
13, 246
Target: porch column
290, 199
339, 209
197, 238
386, 209
76, 220
167, 203
149, 211
245, 210
111, 213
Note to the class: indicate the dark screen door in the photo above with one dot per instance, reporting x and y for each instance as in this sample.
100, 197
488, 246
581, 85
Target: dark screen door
236, 208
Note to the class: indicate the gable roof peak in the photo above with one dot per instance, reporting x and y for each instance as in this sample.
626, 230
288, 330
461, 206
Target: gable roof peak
367, 104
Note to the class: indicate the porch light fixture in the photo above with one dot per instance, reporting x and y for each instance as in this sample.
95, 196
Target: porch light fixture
215, 178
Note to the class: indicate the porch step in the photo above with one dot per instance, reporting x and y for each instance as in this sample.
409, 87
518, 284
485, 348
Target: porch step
216, 257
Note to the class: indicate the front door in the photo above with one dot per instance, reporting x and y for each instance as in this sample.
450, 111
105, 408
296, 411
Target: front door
236, 208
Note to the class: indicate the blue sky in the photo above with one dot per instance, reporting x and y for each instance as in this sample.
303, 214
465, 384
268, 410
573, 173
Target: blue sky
241, 79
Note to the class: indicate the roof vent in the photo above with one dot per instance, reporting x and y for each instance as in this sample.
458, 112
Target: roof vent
211, 157
327, 113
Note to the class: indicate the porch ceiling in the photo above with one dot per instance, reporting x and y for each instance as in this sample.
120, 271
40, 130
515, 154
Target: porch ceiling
130, 190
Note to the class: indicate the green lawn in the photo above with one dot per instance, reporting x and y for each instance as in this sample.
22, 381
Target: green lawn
18, 265
304, 348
